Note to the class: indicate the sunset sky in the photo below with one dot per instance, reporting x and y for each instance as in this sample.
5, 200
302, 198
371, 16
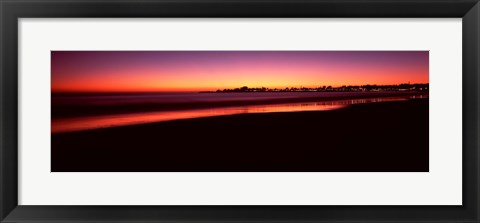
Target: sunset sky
149, 71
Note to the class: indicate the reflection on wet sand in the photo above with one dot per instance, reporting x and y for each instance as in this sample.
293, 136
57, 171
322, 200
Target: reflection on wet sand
105, 121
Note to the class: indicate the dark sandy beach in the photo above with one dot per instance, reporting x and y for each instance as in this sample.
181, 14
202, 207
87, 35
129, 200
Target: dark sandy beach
378, 137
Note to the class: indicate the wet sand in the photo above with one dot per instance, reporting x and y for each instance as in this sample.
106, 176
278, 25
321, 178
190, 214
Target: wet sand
378, 137
64, 106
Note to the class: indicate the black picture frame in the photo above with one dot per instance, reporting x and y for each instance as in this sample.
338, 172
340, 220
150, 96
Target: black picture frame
12, 10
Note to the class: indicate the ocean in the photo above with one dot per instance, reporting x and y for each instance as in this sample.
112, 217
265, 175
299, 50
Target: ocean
77, 112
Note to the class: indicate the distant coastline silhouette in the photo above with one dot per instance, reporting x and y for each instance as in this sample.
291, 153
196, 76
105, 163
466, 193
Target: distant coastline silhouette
344, 88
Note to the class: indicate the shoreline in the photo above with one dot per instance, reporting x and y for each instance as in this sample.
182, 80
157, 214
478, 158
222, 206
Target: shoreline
73, 124
372, 137
63, 111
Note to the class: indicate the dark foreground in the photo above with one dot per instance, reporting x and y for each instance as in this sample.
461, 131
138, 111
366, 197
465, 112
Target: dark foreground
375, 137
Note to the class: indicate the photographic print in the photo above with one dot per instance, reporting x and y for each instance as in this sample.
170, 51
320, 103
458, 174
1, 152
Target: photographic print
239, 111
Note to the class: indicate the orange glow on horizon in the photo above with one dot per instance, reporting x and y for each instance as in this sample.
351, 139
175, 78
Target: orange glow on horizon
89, 71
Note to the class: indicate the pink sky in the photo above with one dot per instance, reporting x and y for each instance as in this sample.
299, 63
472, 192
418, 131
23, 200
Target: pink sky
142, 71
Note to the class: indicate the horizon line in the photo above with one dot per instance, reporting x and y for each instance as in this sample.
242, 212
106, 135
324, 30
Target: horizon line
212, 89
